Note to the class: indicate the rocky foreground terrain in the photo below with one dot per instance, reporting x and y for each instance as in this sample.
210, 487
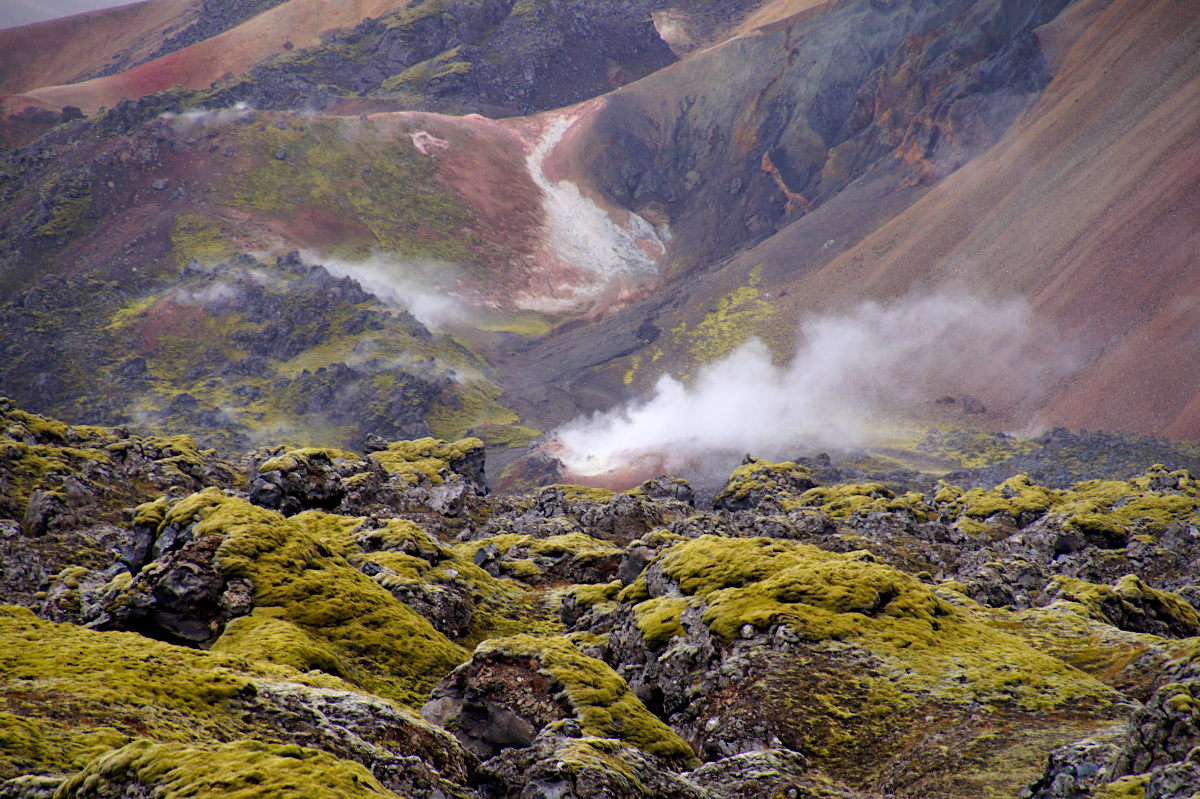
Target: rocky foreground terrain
326, 623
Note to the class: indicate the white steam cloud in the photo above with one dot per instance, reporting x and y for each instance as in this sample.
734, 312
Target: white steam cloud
847, 368
425, 288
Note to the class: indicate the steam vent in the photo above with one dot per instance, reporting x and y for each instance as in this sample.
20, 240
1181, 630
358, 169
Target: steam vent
583, 399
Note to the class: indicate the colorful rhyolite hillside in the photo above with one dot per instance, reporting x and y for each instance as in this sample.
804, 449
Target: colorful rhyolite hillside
575, 200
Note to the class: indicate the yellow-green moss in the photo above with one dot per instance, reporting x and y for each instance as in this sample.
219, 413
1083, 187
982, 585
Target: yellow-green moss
658, 619
1129, 593
602, 701
1109, 508
384, 646
428, 458
579, 546
762, 476
241, 770
1014, 497
399, 200
200, 237
574, 493
732, 319
68, 694
472, 404
828, 596
1125, 788
587, 596
301, 458
859, 499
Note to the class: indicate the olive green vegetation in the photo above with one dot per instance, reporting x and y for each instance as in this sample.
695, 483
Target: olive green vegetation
726, 324
427, 459
411, 558
241, 769
1147, 503
1128, 597
579, 548
1130, 662
602, 701
849, 598
198, 237
40, 453
397, 196
63, 207
71, 694
779, 480
658, 619
194, 342
966, 448
305, 457
312, 607
859, 499
1133, 787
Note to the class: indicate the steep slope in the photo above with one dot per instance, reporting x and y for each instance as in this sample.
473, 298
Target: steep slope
297, 23
1019, 152
69, 49
1085, 208
1080, 210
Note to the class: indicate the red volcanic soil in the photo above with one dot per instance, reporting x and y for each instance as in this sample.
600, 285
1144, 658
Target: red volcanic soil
64, 50
1089, 207
297, 23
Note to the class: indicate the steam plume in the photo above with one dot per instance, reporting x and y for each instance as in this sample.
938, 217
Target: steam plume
846, 369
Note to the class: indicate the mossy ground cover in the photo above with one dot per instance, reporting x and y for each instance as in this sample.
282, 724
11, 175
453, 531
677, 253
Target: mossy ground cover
315, 604
414, 558
928, 647
240, 769
860, 499
602, 701
354, 170
41, 453
428, 460
70, 694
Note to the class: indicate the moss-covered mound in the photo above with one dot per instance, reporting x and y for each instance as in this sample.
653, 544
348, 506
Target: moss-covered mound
312, 609
432, 461
242, 769
748, 585
1129, 605
70, 694
758, 480
600, 700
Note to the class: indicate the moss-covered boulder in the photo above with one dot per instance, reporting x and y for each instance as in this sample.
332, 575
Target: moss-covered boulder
242, 768
312, 609
110, 706
1129, 604
757, 481
512, 688
744, 643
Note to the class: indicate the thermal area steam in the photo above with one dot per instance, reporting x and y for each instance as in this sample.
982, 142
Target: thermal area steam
847, 368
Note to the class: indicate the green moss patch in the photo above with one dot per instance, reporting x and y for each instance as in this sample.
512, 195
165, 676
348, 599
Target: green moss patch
860, 499
602, 701
339, 613
760, 478
931, 647
427, 459
68, 694
241, 769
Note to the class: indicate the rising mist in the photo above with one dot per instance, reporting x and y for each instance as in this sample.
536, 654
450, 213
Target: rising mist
848, 369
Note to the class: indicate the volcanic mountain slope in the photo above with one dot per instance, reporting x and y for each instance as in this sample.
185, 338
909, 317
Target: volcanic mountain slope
813, 156
1078, 209
185, 625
